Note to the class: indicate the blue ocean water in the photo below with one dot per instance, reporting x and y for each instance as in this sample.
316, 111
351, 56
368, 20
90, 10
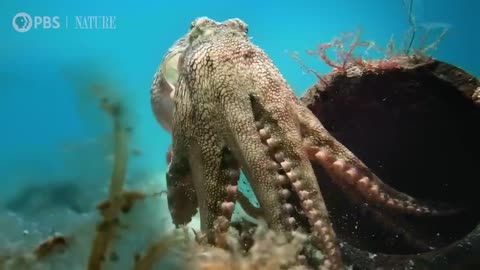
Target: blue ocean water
52, 133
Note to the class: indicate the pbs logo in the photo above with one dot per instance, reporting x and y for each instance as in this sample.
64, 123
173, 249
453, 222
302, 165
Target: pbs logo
23, 22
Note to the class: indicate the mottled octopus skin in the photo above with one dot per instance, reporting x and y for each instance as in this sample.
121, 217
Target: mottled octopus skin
228, 92
233, 110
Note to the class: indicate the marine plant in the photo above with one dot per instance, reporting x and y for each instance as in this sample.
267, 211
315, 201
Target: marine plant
351, 52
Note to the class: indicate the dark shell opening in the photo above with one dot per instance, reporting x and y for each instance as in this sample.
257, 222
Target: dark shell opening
418, 129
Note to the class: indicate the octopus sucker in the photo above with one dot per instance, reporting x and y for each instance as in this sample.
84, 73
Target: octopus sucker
372, 189
347, 170
299, 172
278, 163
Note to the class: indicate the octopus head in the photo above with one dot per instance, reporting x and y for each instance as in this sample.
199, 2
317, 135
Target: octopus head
165, 80
205, 29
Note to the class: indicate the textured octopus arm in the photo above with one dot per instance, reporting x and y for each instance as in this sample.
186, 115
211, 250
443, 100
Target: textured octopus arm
182, 200
351, 173
215, 175
253, 156
269, 147
182, 197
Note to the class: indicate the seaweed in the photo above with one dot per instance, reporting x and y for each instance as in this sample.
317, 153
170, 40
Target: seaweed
351, 52
106, 228
51, 245
267, 249
411, 36
155, 252
118, 202
47, 248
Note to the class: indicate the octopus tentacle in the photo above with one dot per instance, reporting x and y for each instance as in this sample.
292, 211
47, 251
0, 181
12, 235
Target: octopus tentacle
182, 198
372, 189
347, 170
281, 178
295, 173
215, 176
253, 155
392, 223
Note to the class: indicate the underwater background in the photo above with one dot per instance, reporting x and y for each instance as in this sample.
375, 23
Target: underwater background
55, 141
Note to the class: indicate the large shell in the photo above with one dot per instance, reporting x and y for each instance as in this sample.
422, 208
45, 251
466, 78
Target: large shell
417, 126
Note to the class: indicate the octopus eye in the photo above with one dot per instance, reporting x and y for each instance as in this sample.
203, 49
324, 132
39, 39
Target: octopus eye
237, 24
196, 22
202, 22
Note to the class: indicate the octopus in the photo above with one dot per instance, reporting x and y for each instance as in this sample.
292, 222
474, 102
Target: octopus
230, 110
